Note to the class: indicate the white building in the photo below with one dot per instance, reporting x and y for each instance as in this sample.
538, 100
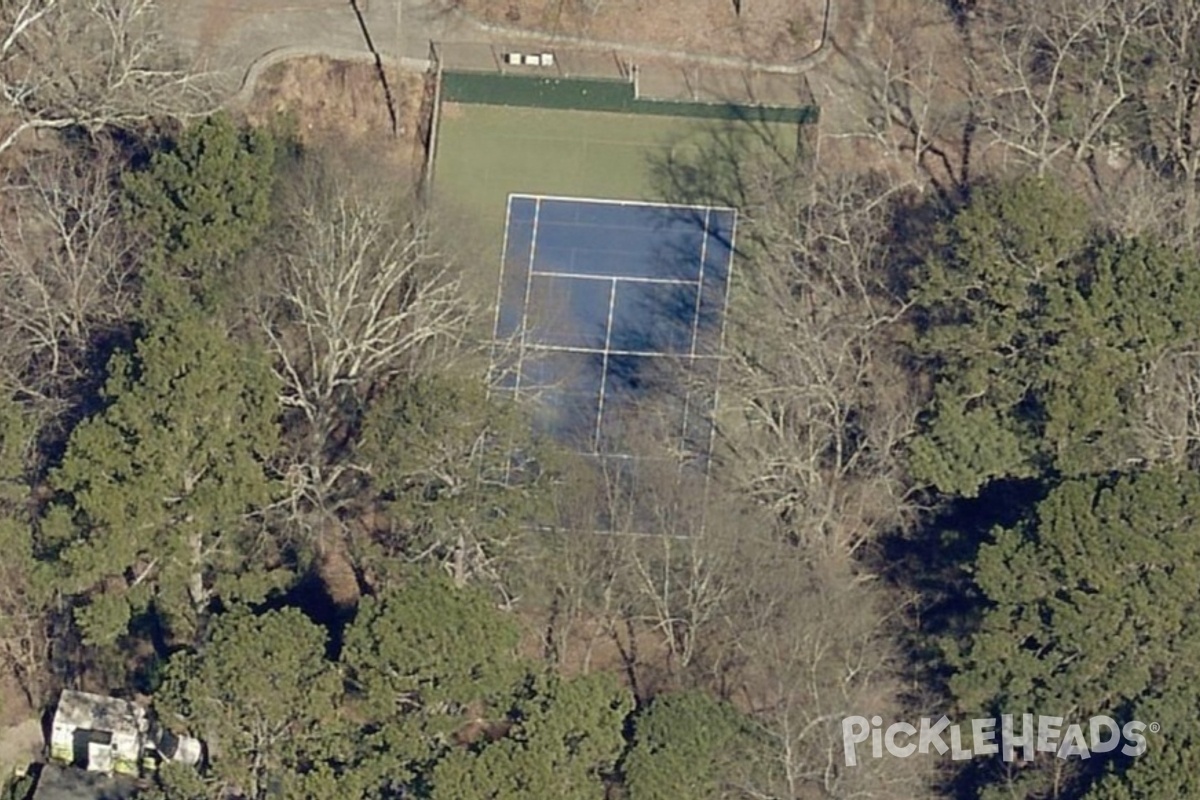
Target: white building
109, 735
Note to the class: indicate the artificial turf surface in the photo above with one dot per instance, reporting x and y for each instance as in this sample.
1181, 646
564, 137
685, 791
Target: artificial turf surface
487, 152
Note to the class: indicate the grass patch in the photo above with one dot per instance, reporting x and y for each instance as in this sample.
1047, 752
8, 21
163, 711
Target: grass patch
486, 152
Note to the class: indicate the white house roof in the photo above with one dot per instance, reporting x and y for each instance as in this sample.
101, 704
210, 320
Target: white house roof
97, 712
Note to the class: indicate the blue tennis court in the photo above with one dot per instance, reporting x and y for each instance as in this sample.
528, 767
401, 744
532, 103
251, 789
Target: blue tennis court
603, 304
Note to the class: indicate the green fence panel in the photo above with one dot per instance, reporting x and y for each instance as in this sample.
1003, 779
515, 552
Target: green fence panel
594, 94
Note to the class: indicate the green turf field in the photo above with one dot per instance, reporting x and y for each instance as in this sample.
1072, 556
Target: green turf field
487, 152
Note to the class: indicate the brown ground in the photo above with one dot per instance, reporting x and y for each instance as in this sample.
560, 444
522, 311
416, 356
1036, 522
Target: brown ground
222, 17
767, 30
14, 707
343, 103
20, 729
915, 55
635, 653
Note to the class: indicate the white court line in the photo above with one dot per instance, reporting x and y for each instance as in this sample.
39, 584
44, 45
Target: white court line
608, 226
525, 307
687, 400
596, 351
612, 302
611, 202
607, 352
716, 400
500, 287
665, 460
585, 277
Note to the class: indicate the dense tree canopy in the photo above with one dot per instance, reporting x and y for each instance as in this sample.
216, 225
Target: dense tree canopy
254, 471
260, 694
157, 487
1038, 330
687, 744
1091, 607
433, 650
201, 202
563, 741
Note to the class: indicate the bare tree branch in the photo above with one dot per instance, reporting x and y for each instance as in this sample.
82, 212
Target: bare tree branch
88, 64
65, 265
817, 403
362, 297
1057, 74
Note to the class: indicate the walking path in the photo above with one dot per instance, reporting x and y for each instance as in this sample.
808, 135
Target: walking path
244, 39
798, 67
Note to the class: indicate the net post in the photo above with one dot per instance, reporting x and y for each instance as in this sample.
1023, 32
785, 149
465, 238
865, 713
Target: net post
634, 79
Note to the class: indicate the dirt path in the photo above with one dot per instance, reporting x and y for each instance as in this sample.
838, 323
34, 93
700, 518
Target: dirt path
241, 38
20, 745
269, 59
798, 67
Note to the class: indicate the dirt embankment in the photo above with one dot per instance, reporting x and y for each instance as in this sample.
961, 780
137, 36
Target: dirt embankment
344, 104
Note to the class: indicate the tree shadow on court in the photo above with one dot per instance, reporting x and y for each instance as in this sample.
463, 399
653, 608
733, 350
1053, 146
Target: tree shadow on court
718, 173
720, 162
659, 368
653, 386
622, 488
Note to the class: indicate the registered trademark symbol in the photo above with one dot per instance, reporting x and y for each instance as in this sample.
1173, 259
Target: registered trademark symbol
1155, 727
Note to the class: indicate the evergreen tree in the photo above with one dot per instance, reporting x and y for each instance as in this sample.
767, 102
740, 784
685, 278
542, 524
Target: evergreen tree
157, 487
1092, 609
563, 742
201, 203
261, 695
1038, 331
686, 745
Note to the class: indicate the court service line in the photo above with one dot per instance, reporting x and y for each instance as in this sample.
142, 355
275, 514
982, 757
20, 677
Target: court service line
537, 207
656, 229
614, 202
597, 351
612, 302
586, 277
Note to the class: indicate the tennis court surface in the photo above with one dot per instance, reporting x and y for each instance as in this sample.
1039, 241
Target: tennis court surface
609, 312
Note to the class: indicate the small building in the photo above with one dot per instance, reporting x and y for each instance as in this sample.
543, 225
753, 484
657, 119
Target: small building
98, 733
113, 736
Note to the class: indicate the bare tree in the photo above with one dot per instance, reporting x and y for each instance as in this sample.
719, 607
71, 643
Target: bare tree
677, 580
87, 64
915, 98
66, 265
577, 575
364, 296
816, 404
27, 592
1171, 397
27, 587
1169, 98
818, 646
1053, 74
